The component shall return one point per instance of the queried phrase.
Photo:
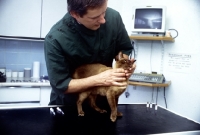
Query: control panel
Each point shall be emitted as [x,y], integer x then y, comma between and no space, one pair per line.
[145,77]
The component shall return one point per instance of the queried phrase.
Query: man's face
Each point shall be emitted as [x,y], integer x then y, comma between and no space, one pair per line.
[94,17]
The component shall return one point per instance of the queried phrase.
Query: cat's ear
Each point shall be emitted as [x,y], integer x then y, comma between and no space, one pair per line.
[119,56]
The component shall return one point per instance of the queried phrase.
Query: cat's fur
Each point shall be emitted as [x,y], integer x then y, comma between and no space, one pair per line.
[111,92]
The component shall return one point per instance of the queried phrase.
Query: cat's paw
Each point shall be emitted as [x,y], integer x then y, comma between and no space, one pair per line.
[119,114]
[103,111]
[113,118]
[81,113]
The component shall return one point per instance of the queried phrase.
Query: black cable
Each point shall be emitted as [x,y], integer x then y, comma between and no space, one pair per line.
[133,50]
[152,95]
[176,33]
[165,98]
[151,55]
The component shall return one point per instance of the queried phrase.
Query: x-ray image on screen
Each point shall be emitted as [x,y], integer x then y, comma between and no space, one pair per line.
[148,19]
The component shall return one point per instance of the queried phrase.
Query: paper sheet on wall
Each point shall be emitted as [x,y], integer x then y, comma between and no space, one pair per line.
[180,62]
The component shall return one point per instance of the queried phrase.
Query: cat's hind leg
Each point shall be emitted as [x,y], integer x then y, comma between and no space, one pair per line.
[81,98]
[92,99]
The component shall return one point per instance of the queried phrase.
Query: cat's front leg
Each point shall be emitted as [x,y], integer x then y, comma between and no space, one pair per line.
[112,103]
[118,113]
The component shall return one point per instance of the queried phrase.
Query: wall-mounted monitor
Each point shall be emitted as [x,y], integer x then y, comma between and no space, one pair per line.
[148,19]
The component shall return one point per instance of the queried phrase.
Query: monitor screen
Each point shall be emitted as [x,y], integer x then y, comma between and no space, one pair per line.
[149,19]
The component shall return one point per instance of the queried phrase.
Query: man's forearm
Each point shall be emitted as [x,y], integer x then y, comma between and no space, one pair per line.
[79,85]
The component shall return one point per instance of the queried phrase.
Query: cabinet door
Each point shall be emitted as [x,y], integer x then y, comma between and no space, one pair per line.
[21,18]
[19,94]
[45,95]
[52,12]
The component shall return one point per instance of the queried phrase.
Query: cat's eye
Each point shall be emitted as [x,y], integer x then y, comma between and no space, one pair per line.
[124,61]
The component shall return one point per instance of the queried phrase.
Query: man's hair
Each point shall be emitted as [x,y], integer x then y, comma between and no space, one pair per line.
[81,6]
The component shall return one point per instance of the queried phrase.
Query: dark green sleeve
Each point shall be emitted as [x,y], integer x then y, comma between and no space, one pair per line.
[57,66]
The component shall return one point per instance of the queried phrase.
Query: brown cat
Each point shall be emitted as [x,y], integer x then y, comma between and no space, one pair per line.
[111,92]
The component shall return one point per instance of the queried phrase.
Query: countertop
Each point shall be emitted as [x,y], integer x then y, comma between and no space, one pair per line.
[136,120]
[23,84]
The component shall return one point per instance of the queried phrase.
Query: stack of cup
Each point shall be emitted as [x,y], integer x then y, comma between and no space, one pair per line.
[27,72]
[20,74]
[8,73]
[14,74]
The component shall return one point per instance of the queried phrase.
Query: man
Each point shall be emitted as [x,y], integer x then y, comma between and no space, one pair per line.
[89,33]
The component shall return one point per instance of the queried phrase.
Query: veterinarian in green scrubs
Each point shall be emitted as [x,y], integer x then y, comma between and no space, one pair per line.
[89,33]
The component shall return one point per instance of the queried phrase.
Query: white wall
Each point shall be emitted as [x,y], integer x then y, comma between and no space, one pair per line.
[183,95]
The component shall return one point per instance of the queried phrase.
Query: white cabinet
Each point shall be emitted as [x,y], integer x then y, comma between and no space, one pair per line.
[45,95]
[21,18]
[10,96]
[52,12]
[24,96]
[24,18]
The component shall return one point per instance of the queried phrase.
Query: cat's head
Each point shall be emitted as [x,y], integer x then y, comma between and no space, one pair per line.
[122,62]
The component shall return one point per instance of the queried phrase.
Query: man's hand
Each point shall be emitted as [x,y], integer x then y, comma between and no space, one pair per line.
[117,76]
[111,77]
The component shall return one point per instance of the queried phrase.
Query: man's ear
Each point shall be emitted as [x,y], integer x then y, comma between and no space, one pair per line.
[74,14]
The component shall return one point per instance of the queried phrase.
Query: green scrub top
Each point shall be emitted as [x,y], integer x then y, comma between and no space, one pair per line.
[69,45]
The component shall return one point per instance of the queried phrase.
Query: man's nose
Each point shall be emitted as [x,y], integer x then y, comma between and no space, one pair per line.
[102,19]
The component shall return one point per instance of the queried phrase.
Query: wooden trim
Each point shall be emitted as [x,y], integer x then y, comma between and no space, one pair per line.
[165,84]
[152,38]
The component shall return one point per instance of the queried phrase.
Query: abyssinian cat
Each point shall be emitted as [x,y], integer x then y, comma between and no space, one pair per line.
[111,92]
